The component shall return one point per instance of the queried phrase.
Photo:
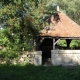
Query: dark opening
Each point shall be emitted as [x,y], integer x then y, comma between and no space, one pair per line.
[46,47]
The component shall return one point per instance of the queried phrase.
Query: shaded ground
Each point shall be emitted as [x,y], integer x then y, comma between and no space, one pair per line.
[31,72]
[46,61]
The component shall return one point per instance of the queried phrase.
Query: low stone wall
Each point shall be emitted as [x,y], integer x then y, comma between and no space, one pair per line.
[34,57]
[65,57]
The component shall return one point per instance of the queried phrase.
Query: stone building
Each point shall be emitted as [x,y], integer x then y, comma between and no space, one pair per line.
[61,27]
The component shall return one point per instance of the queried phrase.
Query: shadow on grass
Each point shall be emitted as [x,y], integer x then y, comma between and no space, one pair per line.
[31,72]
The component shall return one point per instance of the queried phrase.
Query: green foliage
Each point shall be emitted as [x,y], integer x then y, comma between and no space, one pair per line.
[71,8]
[62,43]
[18,23]
[18,27]
[75,44]
[9,54]
[3,39]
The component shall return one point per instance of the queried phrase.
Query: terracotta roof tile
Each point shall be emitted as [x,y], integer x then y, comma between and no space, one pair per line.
[64,28]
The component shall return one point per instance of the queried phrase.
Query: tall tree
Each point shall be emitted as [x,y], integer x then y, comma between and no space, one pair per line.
[17,20]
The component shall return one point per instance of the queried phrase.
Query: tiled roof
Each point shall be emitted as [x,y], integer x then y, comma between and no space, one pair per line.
[64,28]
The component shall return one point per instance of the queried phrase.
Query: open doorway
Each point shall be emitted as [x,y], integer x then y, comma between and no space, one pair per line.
[46,46]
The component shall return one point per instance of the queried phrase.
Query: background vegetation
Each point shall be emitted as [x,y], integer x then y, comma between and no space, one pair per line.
[21,21]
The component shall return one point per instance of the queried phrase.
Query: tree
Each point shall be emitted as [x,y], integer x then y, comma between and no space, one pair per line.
[71,8]
[22,19]
[19,25]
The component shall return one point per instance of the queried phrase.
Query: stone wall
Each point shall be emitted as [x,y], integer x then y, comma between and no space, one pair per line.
[65,57]
[34,57]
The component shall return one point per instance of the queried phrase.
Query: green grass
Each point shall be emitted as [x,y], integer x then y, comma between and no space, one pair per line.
[31,72]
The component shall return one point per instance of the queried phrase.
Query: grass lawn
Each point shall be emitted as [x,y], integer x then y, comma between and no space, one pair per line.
[31,72]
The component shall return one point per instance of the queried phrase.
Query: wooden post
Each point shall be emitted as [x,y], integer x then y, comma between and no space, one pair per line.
[53,44]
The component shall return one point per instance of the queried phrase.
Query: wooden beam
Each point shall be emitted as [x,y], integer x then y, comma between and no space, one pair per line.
[60,37]
[56,42]
[53,44]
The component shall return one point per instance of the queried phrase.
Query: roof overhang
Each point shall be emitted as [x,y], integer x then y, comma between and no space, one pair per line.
[59,37]
[65,28]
